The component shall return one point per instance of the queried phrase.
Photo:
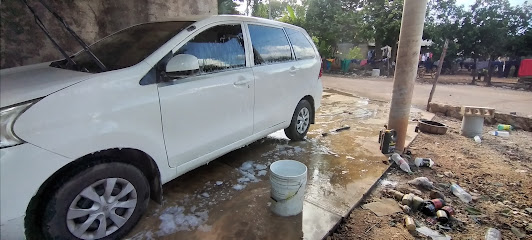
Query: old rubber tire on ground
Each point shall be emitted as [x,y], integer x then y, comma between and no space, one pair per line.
[300,121]
[104,201]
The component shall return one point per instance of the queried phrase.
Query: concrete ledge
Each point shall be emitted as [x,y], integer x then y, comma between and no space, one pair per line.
[519,122]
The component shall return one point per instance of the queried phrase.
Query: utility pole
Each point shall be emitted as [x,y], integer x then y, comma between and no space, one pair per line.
[269,10]
[410,38]
[440,65]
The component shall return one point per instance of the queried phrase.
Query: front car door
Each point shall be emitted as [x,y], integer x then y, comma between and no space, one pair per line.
[209,110]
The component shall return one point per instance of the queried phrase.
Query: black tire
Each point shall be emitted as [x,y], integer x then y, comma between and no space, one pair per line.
[292,132]
[54,224]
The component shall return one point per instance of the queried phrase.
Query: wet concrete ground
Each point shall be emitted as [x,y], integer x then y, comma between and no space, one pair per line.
[230,197]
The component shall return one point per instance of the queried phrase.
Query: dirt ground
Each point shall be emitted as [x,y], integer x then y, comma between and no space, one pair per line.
[501,98]
[495,172]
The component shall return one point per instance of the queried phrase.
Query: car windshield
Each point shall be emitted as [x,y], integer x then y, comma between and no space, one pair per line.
[127,47]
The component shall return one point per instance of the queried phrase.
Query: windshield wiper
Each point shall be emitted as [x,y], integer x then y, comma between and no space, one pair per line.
[39,23]
[80,41]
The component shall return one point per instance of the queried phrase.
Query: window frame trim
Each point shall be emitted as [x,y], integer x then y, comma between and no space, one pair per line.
[252,54]
[208,26]
[312,45]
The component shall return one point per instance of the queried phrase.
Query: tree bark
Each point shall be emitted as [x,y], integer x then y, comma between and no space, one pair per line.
[474,71]
[487,79]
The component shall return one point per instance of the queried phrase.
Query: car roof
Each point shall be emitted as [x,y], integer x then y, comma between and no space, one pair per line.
[219,18]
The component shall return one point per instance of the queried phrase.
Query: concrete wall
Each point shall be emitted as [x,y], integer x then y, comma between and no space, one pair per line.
[23,43]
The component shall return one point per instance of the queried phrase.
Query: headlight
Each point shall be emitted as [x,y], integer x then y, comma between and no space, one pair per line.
[7,119]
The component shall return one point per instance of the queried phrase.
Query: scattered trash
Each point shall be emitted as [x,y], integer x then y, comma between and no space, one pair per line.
[345,127]
[383,207]
[477,139]
[504,127]
[387,139]
[473,211]
[410,224]
[430,207]
[407,199]
[431,220]
[395,194]
[406,208]
[521,171]
[442,216]
[387,183]
[416,202]
[401,162]
[441,227]
[460,193]
[422,182]
[493,234]
[205,195]
[500,133]
[432,234]
[239,187]
[218,183]
[424,162]
[324,134]
[435,194]
[517,232]
[449,210]
[415,191]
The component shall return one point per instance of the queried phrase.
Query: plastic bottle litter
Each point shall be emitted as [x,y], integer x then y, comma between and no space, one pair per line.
[407,199]
[410,224]
[395,194]
[505,127]
[500,133]
[461,193]
[422,182]
[416,202]
[477,139]
[401,162]
[424,162]
[406,209]
[493,234]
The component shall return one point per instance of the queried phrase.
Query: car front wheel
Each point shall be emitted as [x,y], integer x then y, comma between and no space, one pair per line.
[104,201]
[300,122]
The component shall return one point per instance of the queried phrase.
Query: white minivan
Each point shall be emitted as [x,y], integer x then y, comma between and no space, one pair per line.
[84,148]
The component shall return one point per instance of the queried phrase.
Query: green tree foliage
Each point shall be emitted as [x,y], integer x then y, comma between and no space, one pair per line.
[354,53]
[227,7]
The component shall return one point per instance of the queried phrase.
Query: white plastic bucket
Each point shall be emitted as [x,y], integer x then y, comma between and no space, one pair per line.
[375,72]
[288,179]
[472,125]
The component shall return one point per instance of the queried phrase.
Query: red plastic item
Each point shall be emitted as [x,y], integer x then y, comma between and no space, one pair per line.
[525,69]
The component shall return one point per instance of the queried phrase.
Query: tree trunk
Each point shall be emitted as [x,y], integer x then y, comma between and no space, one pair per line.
[487,79]
[474,71]
[440,65]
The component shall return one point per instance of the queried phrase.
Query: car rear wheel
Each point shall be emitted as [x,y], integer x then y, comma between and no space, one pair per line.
[102,202]
[300,121]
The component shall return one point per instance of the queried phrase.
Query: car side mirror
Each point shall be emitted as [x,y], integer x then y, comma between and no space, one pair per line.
[182,65]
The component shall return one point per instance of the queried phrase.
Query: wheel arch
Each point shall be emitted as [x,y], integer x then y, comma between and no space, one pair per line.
[310,99]
[135,157]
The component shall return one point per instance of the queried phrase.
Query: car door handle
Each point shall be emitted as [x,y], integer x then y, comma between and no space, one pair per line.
[241,82]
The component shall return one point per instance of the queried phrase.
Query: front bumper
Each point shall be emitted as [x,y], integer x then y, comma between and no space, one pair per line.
[23,169]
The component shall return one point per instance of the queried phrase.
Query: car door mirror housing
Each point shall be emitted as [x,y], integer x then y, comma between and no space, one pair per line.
[182,65]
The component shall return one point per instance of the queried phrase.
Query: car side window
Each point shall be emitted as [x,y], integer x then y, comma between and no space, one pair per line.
[218,48]
[270,44]
[302,47]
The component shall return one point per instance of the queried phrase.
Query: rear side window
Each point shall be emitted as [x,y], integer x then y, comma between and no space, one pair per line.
[302,47]
[269,45]
[217,48]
